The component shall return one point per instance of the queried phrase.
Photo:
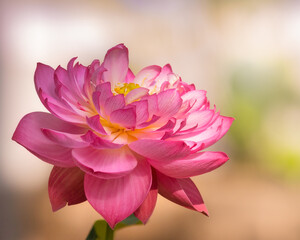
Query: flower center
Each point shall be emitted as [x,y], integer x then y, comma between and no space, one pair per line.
[126,88]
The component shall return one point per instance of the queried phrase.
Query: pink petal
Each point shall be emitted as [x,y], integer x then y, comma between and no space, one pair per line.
[193,165]
[95,74]
[44,79]
[143,134]
[145,211]
[160,149]
[102,93]
[226,123]
[152,104]
[116,63]
[62,76]
[149,122]
[105,163]
[96,100]
[181,191]
[136,94]
[68,98]
[65,94]
[94,123]
[146,76]
[73,79]
[169,103]
[70,85]
[46,87]
[93,78]
[80,74]
[198,119]
[114,103]
[196,98]
[65,187]
[30,135]
[141,110]
[121,137]
[116,199]
[168,126]
[124,117]
[98,142]
[179,124]
[215,132]
[163,76]
[129,77]
[64,114]
[65,139]
[209,136]
[75,85]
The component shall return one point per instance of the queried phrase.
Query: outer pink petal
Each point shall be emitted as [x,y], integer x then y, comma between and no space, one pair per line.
[145,211]
[209,136]
[198,119]
[70,84]
[66,94]
[181,191]
[61,75]
[195,98]
[193,165]
[30,135]
[73,79]
[64,114]
[226,123]
[73,83]
[80,74]
[105,163]
[65,139]
[124,117]
[215,132]
[49,92]
[160,149]
[168,126]
[116,63]
[116,199]
[44,79]
[65,187]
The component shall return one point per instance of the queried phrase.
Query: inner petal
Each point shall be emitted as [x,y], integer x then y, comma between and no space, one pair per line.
[125,88]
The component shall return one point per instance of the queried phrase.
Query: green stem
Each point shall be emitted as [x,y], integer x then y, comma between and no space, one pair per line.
[101,231]
[109,233]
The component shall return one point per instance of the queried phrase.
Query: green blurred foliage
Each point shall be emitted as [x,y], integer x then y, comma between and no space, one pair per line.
[256,93]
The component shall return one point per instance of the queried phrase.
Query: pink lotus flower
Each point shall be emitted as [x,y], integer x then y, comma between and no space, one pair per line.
[117,140]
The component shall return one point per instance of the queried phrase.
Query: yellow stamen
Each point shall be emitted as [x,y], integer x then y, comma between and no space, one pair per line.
[126,88]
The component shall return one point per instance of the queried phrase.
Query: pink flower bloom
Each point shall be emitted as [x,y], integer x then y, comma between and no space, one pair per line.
[117,140]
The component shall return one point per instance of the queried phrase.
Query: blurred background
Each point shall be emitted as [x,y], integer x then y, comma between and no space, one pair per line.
[246,54]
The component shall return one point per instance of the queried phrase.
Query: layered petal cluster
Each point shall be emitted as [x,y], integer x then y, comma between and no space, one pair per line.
[117,139]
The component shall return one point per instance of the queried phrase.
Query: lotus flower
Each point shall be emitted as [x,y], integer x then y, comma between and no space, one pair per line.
[117,139]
